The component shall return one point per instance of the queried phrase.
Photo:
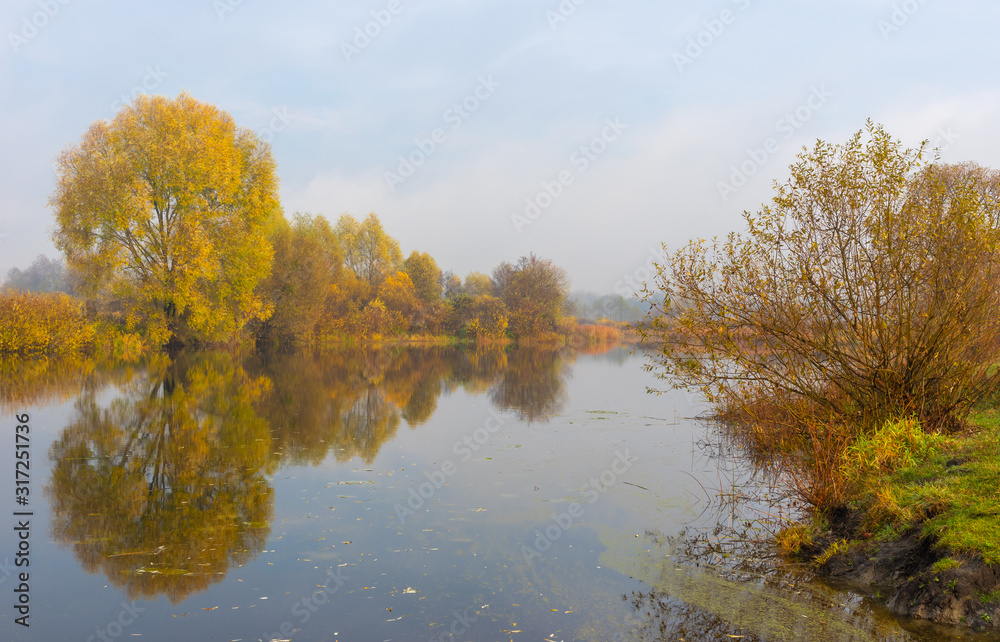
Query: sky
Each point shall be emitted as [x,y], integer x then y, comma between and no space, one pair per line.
[586,131]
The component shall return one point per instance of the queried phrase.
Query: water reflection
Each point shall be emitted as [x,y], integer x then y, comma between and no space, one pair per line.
[26,383]
[165,487]
[533,384]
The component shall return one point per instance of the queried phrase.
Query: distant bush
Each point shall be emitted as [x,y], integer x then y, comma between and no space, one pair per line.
[42,324]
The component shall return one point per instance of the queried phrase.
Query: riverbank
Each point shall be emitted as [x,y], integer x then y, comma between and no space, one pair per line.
[56,324]
[923,538]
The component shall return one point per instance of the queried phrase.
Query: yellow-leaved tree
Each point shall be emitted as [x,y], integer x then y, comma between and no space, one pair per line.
[163,213]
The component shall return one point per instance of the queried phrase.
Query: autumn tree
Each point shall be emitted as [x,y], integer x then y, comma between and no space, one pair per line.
[369,252]
[477,284]
[488,319]
[164,209]
[307,265]
[400,296]
[534,291]
[866,289]
[425,274]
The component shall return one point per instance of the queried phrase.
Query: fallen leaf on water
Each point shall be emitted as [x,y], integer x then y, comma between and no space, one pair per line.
[409,590]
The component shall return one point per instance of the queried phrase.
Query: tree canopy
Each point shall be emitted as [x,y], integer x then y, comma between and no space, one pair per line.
[534,291]
[369,251]
[866,289]
[165,210]
[425,274]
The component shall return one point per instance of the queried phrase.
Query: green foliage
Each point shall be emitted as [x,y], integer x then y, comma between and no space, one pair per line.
[944,564]
[946,485]
[899,443]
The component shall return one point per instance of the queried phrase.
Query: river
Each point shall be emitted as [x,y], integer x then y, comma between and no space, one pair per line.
[392,494]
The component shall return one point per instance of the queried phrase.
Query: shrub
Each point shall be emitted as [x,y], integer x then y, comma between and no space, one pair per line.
[865,290]
[53,323]
[899,443]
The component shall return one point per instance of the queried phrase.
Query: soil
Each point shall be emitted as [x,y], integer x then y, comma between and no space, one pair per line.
[901,572]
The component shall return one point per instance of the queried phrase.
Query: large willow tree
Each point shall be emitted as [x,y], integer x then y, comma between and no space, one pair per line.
[163,214]
[868,288]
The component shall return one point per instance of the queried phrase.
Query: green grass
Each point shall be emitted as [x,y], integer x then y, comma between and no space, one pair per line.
[972,521]
[958,503]
[944,564]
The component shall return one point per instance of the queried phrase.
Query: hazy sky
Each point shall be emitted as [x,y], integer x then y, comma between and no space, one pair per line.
[624,123]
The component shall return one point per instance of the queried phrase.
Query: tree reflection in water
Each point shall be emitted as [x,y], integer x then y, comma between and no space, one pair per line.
[533,384]
[165,487]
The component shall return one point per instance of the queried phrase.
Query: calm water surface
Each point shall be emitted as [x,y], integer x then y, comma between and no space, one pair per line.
[398,494]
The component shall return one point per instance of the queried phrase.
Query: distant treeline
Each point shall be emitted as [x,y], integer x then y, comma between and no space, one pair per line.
[169,221]
[328,284]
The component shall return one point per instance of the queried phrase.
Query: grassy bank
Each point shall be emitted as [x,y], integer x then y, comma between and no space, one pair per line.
[921,527]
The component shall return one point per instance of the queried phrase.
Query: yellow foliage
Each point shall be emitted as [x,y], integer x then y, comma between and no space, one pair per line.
[53,323]
[489,321]
[163,211]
